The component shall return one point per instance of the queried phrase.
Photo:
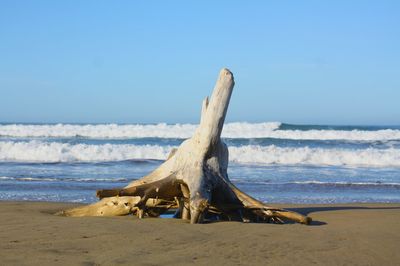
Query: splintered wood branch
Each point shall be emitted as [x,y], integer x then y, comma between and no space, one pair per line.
[193,179]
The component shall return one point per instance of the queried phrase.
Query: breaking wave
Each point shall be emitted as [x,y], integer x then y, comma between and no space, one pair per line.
[38,151]
[162,130]
[114,131]
[272,154]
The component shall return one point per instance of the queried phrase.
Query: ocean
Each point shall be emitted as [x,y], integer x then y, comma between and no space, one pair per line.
[274,162]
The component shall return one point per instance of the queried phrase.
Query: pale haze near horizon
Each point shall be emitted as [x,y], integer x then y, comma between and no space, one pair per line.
[308,62]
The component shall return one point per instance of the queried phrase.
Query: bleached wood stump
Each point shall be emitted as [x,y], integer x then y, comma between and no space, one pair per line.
[193,179]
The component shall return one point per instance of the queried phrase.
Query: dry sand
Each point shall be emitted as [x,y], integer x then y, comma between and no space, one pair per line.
[356,234]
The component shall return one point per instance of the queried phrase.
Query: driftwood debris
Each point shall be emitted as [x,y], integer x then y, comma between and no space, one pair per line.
[193,180]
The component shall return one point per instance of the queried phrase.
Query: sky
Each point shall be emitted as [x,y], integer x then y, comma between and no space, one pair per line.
[301,62]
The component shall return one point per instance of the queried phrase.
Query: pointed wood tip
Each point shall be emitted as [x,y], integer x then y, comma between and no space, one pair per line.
[225,75]
[225,71]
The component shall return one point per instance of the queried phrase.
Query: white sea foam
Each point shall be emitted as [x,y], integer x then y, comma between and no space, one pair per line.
[361,184]
[114,131]
[315,182]
[8,178]
[49,179]
[237,180]
[315,156]
[361,135]
[162,130]
[38,151]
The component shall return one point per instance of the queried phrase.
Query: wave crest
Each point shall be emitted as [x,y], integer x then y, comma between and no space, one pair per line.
[114,131]
[181,131]
[37,151]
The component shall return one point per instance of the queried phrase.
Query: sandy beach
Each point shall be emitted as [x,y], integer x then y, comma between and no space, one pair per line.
[343,234]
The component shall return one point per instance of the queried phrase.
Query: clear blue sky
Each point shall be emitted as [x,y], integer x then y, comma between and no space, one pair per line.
[305,62]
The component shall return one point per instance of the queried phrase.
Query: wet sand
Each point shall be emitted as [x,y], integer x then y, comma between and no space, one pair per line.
[351,234]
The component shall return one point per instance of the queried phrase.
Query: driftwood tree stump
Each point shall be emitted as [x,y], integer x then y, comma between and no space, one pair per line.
[193,180]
